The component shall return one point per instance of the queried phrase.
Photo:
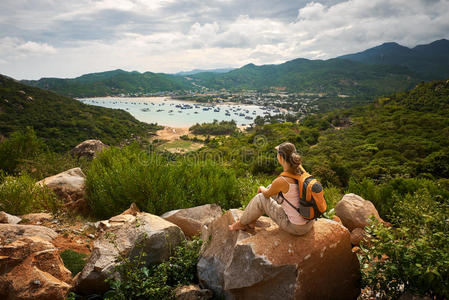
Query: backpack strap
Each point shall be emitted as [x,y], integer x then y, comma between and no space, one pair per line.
[309,190]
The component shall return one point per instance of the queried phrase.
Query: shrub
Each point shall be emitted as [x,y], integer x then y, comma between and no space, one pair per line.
[21,195]
[118,177]
[138,281]
[414,256]
[382,195]
[74,261]
[215,128]
[21,145]
[50,163]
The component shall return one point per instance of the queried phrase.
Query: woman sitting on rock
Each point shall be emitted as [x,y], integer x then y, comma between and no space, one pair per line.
[264,202]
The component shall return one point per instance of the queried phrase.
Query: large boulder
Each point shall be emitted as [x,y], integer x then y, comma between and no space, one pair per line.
[6,218]
[89,149]
[355,212]
[12,232]
[70,186]
[31,268]
[270,263]
[192,219]
[127,235]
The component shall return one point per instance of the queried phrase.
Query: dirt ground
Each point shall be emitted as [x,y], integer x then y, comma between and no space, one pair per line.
[171,133]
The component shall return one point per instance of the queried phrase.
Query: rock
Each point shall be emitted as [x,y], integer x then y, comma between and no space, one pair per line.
[132,210]
[273,264]
[337,219]
[6,218]
[12,232]
[31,268]
[37,217]
[354,211]
[192,292]
[192,219]
[127,232]
[89,149]
[357,235]
[70,186]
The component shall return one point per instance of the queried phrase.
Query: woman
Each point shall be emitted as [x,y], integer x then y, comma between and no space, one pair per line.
[283,214]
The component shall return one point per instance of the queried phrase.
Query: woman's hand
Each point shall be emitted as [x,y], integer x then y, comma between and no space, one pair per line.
[261,189]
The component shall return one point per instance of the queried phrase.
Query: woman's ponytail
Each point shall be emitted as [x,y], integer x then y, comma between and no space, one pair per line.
[288,152]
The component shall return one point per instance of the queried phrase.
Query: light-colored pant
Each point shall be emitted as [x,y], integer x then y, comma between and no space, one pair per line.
[260,205]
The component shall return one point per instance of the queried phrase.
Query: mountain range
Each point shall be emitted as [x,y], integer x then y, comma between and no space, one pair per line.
[384,69]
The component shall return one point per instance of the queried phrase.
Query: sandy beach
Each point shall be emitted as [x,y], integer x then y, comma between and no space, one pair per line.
[171,133]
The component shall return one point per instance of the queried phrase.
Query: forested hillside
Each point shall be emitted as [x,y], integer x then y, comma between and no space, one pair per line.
[381,70]
[112,83]
[403,135]
[430,60]
[60,121]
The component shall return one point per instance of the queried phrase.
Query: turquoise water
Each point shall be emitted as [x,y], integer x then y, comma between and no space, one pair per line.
[163,110]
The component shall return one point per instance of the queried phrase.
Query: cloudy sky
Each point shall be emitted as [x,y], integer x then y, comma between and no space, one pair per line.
[54,38]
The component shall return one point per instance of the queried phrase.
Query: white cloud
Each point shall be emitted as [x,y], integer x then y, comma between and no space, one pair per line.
[36,48]
[168,36]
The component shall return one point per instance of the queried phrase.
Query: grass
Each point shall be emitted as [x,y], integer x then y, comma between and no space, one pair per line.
[180,146]
[74,261]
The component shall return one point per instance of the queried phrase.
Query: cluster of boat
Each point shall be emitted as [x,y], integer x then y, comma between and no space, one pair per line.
[172,107]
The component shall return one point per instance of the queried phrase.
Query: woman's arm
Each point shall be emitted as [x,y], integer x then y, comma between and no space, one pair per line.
[278,185]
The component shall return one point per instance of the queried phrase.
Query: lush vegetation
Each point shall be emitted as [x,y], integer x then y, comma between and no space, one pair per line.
[214,128]
[397,136]
[138,281]
[20,195]
[22,145]
[112,83]
[62,122]
[118,177]
[334,76]
[413,255]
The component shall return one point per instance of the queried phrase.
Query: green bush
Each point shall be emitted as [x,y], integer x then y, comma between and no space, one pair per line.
[74,261]
[50,163]
[382,195]
[215,128]
[21,195]
[138,281]
[118,177]
[414,255]
[21,145]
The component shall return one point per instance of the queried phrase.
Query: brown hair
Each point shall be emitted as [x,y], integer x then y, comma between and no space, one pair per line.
[288,152]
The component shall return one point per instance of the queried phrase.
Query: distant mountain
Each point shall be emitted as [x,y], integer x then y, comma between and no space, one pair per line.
[431,60]
[333,76]
[112,83]
[62,122]
[384,69]
[196,71]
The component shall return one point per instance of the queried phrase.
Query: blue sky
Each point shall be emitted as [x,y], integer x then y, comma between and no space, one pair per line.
[49,38]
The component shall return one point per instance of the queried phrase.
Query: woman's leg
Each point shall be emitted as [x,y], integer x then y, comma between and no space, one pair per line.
[260,205]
